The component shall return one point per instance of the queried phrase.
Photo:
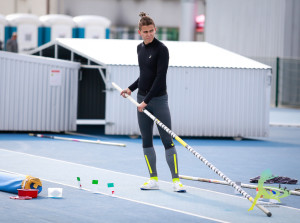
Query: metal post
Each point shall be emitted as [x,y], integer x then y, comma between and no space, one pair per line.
[187,26]
[48,7]
[277,82]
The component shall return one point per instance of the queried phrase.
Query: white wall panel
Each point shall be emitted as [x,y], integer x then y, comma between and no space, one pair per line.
[219,102]
[120,112]
[292,29]
[27,100]
[203,102]
[252,28]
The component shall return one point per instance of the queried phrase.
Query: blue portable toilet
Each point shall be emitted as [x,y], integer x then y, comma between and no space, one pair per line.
[55,26]
[3,24]
[26,26]
[91,26]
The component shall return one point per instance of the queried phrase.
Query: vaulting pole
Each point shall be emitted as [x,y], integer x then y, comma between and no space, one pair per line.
[199,156]
[78,140]
[250,186]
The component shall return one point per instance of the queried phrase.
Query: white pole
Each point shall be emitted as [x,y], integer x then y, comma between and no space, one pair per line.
[78,140]
[250,186]
[198,155]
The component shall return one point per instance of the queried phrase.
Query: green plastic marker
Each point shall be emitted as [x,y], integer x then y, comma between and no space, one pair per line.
[95,184]
[79,183]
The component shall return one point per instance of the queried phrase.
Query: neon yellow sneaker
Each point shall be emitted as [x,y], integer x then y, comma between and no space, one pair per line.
[151,184]
[177,186]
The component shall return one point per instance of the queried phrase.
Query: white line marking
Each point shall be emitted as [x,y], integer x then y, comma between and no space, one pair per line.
[128,199]
[62,161]
[238,197]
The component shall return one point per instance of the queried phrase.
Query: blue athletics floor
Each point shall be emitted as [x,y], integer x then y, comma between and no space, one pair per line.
[58,163]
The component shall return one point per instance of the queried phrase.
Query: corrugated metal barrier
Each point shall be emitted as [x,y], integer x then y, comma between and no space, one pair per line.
[37,94]
[203,102]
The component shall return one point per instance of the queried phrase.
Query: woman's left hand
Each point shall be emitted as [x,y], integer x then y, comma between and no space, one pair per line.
[142,106]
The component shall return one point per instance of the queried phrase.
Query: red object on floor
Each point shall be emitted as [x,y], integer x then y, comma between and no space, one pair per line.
[28,192]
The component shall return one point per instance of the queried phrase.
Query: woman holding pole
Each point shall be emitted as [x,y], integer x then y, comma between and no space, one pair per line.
[153,58]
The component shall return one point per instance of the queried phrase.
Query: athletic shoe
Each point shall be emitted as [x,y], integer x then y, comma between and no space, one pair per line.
[178,187]
[151,184]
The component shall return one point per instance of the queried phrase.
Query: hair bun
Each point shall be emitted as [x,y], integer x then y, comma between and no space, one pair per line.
[142,14]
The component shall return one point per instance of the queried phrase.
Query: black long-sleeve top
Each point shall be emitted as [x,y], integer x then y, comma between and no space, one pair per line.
[153,61]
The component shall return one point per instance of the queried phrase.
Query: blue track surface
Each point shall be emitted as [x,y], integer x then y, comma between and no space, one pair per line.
[59,162]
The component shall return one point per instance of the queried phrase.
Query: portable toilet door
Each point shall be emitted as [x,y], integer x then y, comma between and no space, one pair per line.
[26,26]
[3,23]
[55,26]
[96,27]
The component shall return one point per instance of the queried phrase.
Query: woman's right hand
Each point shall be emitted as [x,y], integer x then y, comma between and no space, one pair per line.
[125,91]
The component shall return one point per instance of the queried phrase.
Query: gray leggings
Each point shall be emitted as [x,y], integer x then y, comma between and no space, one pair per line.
[158,106]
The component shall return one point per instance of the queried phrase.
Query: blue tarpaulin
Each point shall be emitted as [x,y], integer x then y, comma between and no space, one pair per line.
[12,182]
